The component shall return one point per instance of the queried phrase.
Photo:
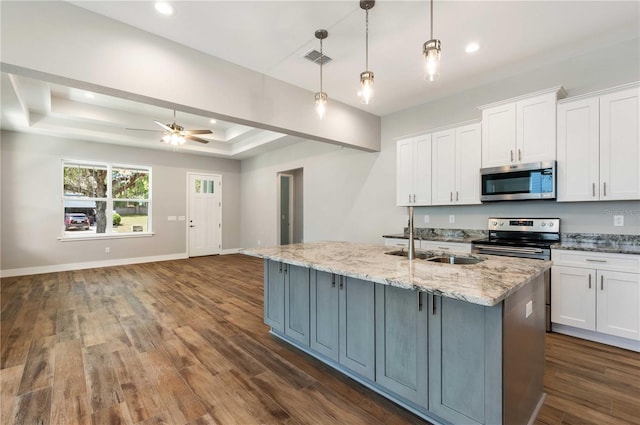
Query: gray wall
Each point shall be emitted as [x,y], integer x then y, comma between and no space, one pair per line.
[31,210]
[350,195]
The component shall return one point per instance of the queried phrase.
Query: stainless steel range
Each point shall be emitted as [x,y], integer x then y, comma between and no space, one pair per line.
[523,238]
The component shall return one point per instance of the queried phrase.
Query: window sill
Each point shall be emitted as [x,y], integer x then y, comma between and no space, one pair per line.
[105,236]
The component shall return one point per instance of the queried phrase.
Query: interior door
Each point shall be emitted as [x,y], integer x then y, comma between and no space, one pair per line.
[205,214]
[286,209]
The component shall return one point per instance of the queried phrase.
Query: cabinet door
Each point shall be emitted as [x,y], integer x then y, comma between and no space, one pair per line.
[536,129]
[401,342]
[578,150]
[274,294]
[618,306]
[324,314]
[296,318]
[468,151]
[404,172]
[465,362]
[620,145]
[498,135]
[573,297]
[356,318]
[443,147]
[422,170]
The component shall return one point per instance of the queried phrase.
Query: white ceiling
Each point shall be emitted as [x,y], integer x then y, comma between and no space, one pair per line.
[272,37]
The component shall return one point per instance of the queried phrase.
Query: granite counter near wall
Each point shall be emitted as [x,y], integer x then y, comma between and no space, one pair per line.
[600,242]
[442,235]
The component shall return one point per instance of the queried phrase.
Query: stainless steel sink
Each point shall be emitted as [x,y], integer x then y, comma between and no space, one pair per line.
[431,256]
[452,259]
[404,253]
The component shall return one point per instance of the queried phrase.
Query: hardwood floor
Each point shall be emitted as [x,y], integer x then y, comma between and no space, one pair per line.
[183,342]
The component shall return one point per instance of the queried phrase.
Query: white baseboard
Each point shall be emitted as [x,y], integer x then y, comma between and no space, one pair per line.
[230,251]
[616,341]
[90,265]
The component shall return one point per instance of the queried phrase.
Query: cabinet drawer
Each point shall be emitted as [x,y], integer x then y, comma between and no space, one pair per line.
[446,246]
[396,242]
[597,260]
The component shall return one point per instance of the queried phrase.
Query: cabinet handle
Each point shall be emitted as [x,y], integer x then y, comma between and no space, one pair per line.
[419,301]
[456,196]
[444,248]
[593,189]
[280,271]
[341,283]
[333,280]
[519,155]
[450,196]
[604,189]
[285,269]
[409,198]
[596,261]
[589,281]
[602,282]
[414,198]
[511,151]
[433,304]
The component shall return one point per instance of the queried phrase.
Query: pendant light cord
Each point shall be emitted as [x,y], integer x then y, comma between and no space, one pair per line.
[367,40]
[321,62]
[431,16]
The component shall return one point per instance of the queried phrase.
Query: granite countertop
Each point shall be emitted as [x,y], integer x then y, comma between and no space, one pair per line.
[442,235]
[486,283]
[599,242]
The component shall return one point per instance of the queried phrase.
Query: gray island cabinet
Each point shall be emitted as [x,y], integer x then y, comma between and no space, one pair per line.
[428,348]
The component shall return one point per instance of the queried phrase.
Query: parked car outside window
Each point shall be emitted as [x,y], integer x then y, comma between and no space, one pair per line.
[76,221]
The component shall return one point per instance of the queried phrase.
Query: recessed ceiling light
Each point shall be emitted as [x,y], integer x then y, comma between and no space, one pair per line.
[472,47]
[164,8]
[212,121]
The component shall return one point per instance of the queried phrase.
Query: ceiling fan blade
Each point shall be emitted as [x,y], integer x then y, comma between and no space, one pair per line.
[199,131]
[166,127]
[195,139]
[143,129]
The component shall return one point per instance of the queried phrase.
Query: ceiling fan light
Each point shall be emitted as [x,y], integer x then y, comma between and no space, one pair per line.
[321,104]
[166,138]
[431,53]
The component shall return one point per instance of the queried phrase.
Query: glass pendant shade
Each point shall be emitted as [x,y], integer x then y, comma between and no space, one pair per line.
[431,54]
[366,87]
[321,104]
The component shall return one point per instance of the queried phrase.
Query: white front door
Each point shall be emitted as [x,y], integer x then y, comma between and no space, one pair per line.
[205,214]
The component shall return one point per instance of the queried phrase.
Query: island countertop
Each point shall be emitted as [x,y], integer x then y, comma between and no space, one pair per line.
[486,283]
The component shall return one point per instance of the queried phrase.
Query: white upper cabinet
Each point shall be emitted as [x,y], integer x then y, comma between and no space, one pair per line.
[413,171]
[599,147]
[456,166]
[520,130]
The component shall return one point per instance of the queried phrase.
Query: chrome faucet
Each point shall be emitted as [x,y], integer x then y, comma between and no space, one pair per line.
[412,250]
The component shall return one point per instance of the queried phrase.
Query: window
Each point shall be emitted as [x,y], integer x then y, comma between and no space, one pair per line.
[107,199]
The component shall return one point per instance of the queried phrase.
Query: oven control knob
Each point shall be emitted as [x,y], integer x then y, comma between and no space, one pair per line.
[494,223]
[543,224]
[502,223]
[551,224]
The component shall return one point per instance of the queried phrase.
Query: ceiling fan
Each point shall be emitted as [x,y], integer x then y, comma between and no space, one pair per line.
[175,134]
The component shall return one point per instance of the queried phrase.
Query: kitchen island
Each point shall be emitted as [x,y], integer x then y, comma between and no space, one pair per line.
[453,343]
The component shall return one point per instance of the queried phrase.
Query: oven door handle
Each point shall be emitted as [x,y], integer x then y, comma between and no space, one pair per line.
[510,249]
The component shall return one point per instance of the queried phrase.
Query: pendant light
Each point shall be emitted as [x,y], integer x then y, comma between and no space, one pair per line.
[321,97]
[431,54]
[366,77]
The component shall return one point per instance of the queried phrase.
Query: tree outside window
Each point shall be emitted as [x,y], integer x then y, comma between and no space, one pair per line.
[114,198]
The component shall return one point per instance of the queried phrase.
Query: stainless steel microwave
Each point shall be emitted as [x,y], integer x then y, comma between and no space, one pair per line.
[536,180]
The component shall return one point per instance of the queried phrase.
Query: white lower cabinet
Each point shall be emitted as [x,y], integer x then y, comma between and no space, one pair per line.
[429,245]
[596,292]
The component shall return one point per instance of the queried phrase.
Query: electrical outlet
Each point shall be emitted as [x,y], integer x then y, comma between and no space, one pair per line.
[107,249]
[426,218]
[452,219]
[528,309]
[258,242]
[618,220]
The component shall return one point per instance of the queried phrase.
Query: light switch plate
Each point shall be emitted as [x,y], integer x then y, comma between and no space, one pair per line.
[181,218]
[171,218]
[528,309]
[426,218]
[452,219]
[618,220]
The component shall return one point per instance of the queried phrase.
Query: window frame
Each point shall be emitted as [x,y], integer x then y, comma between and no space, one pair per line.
[109,199]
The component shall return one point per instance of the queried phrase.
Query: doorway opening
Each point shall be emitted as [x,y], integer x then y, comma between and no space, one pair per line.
[290,206]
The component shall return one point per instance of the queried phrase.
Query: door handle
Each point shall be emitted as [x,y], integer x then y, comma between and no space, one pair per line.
[519,155]
[419,301]
[450,196]
[602,282]
[333,280]
[341,283]
[433,304]
[593,189]
[511,151]
[604,189]
[589,281]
